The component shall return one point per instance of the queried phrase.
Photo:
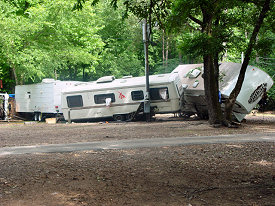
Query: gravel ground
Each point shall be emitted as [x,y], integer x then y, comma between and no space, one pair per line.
[214,174]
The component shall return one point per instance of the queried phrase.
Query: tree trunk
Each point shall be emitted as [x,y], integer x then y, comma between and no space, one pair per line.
[75,73]
[235,92]
[211,75]
[70,72]
[55,74]
[15,75]
[167,53]
[211,90]
[180,57]
[83,73]
[163,47]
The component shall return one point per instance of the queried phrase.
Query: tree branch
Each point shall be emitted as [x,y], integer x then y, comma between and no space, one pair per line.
[191,27]
[195,20]
[235,92]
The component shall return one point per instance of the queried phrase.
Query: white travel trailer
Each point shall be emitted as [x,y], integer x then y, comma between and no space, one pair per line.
[121,98]
[42,99]
[256,82]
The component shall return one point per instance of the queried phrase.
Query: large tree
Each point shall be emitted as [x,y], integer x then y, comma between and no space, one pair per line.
[217,21]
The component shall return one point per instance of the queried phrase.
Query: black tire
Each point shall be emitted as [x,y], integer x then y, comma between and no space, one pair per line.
[203,116]
[37,116]
[119,117]
[130,117]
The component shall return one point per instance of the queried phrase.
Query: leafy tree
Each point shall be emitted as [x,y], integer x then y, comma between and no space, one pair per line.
[48,39]
[122,38]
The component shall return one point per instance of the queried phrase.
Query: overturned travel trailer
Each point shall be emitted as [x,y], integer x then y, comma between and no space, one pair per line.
[256,82]
[122,99]
[37,101]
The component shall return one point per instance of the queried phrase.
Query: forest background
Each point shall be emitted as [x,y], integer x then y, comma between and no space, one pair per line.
[48,39]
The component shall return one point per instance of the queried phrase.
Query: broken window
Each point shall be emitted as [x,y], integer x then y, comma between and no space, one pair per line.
[159,93]
[108,102]
[101,98]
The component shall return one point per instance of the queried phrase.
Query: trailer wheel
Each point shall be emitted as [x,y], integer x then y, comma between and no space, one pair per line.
[130,117]
[203,116]
[119,117]
[37,116]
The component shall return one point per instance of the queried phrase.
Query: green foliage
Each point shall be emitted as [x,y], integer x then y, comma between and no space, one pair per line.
[48,40]
[122,38]
[42,39]
[171,65]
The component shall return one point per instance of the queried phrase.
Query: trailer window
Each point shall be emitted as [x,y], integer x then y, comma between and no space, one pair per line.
[137,95]
[159,93]
[101,98]
[74,101]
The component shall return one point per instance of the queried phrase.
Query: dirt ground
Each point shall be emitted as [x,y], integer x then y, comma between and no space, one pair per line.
[211,174]
[31,133]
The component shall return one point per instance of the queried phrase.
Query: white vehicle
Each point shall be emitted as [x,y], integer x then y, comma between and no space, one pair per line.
[256,82]
[41,100]
[122,98]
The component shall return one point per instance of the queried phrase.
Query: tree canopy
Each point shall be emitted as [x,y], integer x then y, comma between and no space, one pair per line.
[47,38]
[68,40]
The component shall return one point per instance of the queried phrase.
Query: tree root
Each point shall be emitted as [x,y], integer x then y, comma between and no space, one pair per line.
[226,123]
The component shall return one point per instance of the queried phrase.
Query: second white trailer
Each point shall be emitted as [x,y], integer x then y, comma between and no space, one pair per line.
[42,99]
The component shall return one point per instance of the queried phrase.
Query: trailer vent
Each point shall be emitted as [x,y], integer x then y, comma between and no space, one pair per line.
[196,83]
[127,77]
[184,86]
[48,80]
[105,79]
[194,74]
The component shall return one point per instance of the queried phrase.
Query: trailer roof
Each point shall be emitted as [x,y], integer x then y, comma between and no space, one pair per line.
[124,83]
[54,82]
[184,69]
